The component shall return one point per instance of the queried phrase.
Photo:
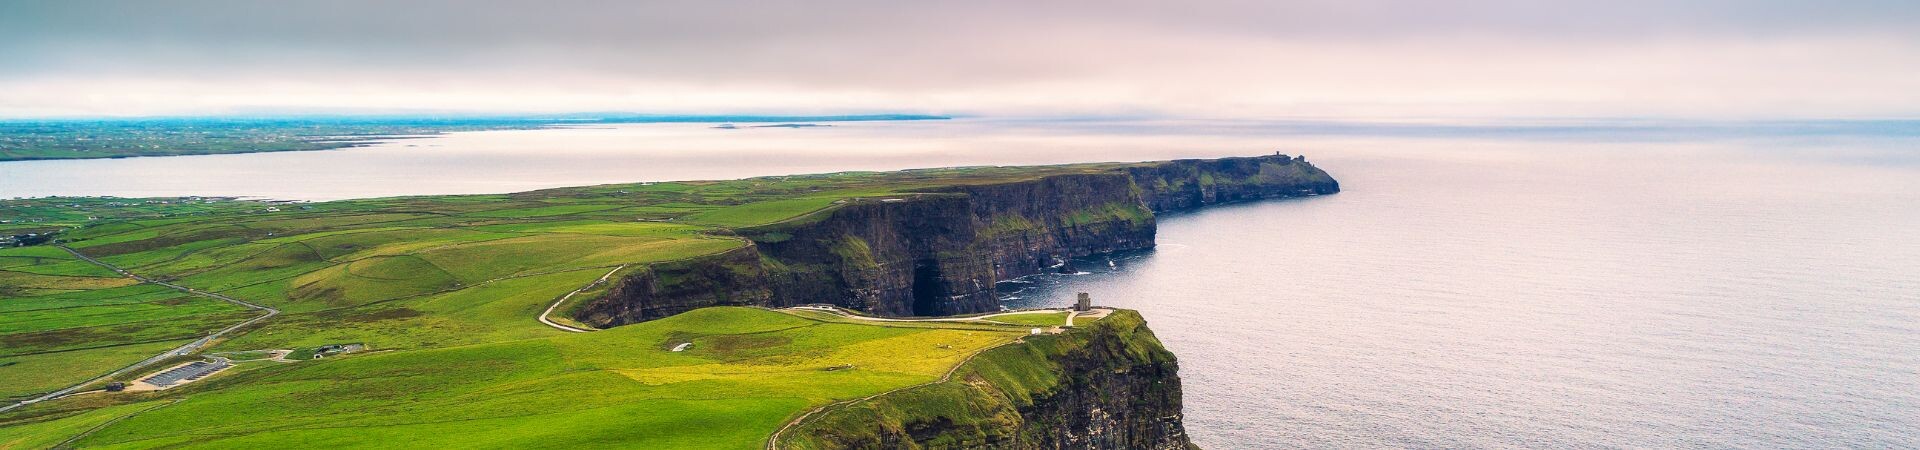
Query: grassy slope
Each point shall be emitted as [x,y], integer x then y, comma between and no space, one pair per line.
[1038,319]
[62,322]
[407,274]
[747,372]
[981,403]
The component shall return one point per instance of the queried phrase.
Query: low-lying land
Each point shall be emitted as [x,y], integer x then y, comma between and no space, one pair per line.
[124,138]
[747,372]
[443,296]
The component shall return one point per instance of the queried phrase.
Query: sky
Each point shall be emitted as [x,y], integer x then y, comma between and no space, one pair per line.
[1718,59]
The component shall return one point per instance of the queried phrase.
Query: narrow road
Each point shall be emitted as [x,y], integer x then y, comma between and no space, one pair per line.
[563,299]
[183,350]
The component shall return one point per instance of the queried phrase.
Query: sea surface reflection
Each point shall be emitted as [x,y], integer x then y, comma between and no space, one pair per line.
[1623,284]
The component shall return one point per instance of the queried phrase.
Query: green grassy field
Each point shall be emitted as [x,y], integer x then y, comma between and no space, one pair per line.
[747,372]
[63,320]
[444,291]
[1038,319]
[984,394]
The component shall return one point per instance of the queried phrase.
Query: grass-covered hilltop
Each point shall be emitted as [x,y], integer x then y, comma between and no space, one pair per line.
[710,314]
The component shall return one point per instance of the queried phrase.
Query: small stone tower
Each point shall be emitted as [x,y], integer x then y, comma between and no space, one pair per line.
[1084,304]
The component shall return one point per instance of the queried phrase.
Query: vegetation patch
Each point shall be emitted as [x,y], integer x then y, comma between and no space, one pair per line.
[574,389]
[980,406]
[761,213]
[448,289]
[1038,319]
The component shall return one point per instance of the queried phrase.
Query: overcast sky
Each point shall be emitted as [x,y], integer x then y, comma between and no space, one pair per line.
[1335,58]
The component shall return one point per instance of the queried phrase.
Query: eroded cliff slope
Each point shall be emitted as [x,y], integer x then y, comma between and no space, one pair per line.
[939,250]
[1109,385]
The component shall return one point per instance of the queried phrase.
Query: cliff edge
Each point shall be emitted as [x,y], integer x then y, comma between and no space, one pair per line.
[939,249]
[1107,385]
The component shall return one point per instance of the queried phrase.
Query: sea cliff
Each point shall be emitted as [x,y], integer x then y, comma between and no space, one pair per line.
[939,250]
[1108,385]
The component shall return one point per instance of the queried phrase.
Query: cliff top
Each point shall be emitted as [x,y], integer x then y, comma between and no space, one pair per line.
[722,377]
[458,280]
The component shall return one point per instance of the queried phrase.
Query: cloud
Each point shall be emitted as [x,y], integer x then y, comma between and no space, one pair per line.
[1367,57]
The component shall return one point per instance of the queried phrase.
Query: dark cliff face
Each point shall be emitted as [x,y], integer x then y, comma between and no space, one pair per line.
[940,251]
[1031,227]
[1106,386]
[908,255]
[1192,183]
[734,278]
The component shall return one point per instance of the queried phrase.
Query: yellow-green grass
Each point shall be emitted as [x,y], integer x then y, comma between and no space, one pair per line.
[349,269]
[761,213]
[48,261]
[492,259]
[489,312]
[88,325]
[543,211]
[37,320]
[33,252]
[406,275]
[396,242]
[82,338]
[52,433]
[67,298]
[28,375]
[954,323]
[564,312]
[1038,319]
[600,227]
[37,281]
[368,280]
[986,394]
[293,223]
[747,372]
[379,285]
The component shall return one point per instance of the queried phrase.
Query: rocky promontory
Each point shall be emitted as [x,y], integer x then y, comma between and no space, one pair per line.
[939,250]
[1108,385]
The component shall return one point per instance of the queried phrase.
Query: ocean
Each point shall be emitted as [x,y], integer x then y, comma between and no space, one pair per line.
[1507,284]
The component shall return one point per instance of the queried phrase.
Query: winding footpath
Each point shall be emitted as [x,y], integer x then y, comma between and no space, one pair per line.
[563,299]
[773,441]
[182,350]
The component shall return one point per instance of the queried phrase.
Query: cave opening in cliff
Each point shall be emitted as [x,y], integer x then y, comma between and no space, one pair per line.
[928,291]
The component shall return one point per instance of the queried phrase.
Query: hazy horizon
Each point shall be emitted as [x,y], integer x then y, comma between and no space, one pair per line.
[1383,59]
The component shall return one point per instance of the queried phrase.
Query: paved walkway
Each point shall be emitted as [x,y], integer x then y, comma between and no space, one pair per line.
[563,299]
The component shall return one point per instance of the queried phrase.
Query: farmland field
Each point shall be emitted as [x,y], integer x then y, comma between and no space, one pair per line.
[443,293]
[63,320]
[746,372]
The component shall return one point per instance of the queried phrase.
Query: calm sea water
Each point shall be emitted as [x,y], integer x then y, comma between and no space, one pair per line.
[1621,284]
[1549,298]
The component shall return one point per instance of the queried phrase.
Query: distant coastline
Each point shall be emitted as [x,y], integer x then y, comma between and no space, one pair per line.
[51,139]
